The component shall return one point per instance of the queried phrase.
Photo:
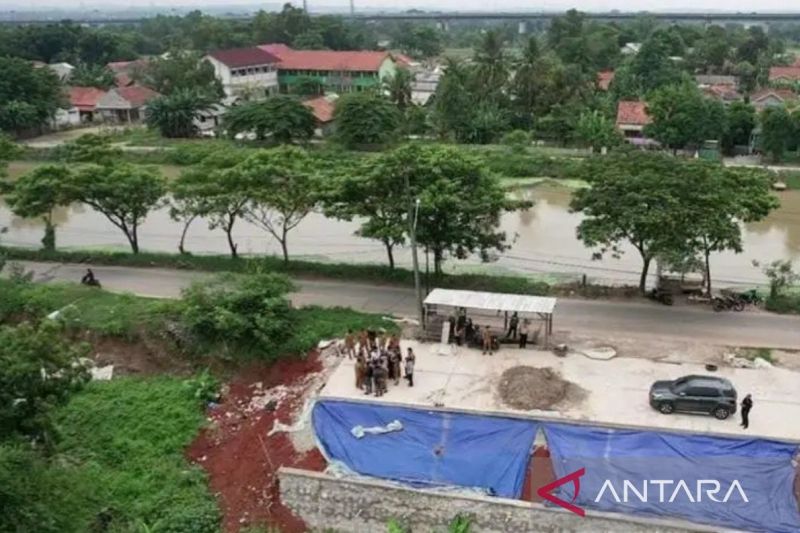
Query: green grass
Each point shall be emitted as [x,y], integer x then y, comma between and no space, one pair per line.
[757,353]
[83,308]
[791,178]
[123,443]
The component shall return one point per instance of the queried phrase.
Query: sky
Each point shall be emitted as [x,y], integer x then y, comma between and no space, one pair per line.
[482,5]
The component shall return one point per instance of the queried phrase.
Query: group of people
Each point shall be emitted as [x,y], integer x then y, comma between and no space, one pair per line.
[379,360]
[465,332]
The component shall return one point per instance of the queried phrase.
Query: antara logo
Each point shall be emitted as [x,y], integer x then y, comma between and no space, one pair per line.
[648,490]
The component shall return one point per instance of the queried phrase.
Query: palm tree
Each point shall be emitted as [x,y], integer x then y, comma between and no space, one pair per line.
[174,115]
[398,88]
[491,72]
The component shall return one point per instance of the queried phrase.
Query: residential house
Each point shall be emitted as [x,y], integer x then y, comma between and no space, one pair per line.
[336,71]
[708,80]
[209,120]
[322,107]
[632,117]
[631,49]
[789,74]
[125,104]
[424,85]
[124,71]
[724,93]
[604,79]
[247,72]
[769,97]
[80,108]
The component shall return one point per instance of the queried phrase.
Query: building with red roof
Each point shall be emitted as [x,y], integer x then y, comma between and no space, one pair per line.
[123,71]
[336,70]
[250,71]
[770,97]
[322,107]
[125,104]
[789,74]
[632,118]
[80,108]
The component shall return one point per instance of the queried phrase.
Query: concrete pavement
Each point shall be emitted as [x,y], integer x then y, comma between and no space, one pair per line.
[633,319]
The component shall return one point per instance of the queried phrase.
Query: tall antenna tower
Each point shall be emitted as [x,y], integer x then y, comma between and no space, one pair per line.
[352,8]
[305,6]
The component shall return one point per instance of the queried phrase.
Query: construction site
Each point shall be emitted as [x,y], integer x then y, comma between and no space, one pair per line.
[550,437]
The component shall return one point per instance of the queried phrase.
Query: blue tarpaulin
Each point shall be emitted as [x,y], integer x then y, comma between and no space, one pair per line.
[434,448]
[762,468]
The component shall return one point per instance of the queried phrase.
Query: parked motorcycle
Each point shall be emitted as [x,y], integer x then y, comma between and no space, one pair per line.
[90,280]
[726,303]
[661,295]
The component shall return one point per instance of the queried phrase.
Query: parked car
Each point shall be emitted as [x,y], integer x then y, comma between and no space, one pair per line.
[695,394]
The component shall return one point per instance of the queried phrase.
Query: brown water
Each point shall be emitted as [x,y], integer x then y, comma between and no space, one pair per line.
[543,240]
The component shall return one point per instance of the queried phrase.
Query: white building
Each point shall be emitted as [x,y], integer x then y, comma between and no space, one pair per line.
[62,70]
[246,72]
[424,85]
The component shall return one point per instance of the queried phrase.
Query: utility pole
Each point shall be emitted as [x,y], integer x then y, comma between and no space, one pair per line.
[413,215]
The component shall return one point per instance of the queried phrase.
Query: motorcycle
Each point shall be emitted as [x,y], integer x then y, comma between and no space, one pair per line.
[725,303]
[661,295]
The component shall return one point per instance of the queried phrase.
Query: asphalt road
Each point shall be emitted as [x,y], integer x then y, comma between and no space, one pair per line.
[635,319]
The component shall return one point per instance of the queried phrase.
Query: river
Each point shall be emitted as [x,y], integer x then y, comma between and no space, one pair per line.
[542,237]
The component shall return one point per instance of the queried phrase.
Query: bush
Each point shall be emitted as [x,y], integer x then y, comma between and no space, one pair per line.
[783,303]
[517,140]
[249,314]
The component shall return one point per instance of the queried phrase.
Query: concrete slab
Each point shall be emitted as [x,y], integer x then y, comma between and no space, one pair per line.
[616,390]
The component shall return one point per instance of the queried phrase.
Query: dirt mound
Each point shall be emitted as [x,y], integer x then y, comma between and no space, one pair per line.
[526,387]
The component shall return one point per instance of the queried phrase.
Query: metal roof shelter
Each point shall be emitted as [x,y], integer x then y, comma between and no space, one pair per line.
[522,304]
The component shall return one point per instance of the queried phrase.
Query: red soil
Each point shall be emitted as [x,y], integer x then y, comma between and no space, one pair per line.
[540,472]
[242,461]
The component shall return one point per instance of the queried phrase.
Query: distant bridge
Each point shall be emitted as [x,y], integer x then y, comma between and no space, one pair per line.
[447,16]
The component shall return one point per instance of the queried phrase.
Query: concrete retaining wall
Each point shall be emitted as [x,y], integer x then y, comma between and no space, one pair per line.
[325,502]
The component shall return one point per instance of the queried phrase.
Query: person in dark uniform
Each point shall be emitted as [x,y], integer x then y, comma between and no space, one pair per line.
[512,327]
[747,404]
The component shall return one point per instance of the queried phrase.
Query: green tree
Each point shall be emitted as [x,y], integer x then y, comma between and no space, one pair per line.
[597,131]
[243,313]
[460,204]
[88,75]
[309,40]
[175,116]
[39,370]
[37,194]
[123,193]
[212,190]
[777,131]
[634,198]
[682,117]
[453,102]
[307,86]
[398,88]
[417,40]
[282,117]
[781,275]
[739,125]
[29,96]
[180,71]
[491,67]
[283,189]
[366,119]
[721,199]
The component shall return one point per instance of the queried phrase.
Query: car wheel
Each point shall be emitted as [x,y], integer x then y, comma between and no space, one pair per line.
[721,413]
[666,408]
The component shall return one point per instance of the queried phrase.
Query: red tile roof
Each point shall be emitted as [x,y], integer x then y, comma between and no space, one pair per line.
[787,73]
[322,108]
[276,49]
[632,113]
[604,79]
[329,60]
[84,98]
[781,94]
[402,59]
[722,92]
[125,66]
[244,57]
[136,94]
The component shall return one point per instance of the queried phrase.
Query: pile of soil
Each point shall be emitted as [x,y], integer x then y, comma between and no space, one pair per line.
[241,459]
[526,387]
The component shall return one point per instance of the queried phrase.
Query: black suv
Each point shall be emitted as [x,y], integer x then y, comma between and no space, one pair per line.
[695,394]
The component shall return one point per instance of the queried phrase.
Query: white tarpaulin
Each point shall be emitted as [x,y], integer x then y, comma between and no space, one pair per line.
[492,301]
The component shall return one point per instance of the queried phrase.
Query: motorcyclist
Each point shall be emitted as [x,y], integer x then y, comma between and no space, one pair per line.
[88,278]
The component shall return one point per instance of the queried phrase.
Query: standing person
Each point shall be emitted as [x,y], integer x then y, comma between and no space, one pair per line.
[410,360]
[369,377]
[380,373]
[363,341]
[747,404]
[523,333]
[396,362]
[350,344]
[512,327]
[487,340]
[361,371]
